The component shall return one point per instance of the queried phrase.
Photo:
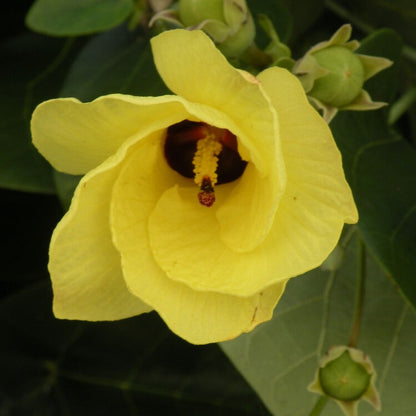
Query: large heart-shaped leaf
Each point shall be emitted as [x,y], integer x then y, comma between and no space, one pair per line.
[279,358]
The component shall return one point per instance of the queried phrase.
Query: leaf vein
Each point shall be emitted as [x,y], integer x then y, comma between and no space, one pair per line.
[393,346]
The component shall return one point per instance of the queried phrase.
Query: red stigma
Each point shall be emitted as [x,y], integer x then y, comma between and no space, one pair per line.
[207,195]
[206,198]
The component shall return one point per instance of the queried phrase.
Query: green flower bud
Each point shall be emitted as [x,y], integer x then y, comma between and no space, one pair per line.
[346,375]
[333,74]
[228,22]
[193,12]
[345,77]
[344,379]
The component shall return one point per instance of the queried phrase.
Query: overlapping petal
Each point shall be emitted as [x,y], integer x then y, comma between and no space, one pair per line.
[76,137]
[199,317]
[199,258]
[85,267]
[313,161]
[186,245]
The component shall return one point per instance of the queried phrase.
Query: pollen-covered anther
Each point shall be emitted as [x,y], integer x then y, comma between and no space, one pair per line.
[205,163]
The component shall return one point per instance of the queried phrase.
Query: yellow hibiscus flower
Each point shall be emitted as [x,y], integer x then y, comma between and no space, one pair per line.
[199,205]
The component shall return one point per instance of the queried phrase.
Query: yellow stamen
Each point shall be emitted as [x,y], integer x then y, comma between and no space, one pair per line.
[205,163]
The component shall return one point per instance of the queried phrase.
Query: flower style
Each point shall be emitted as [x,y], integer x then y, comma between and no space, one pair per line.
[199,205]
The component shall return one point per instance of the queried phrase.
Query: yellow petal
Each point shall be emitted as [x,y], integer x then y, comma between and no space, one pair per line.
[313,161]
[199,317]
[84,265]
[247,213]
[76,137]
[317,199]
[186,244]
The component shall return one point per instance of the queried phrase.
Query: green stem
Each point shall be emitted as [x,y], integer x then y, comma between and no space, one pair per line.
[319,406]
[359,300]
[256,57]
[398,108]
[350,231]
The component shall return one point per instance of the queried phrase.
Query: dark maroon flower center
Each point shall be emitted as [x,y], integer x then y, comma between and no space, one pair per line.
[181,146]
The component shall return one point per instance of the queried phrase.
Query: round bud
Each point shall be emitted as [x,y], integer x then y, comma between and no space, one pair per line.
[241,40]
[193,12]
[345,78]
[344,379]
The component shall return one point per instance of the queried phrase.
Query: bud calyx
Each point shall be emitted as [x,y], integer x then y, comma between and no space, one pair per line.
[333,74]
[347,376]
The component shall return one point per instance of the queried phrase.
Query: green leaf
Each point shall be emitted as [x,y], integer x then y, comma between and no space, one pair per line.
[118,61]
[280,357]
[32,71]
[77,17]
[386,43]
[381,169]
[131,367]
[382,174]
[65,186]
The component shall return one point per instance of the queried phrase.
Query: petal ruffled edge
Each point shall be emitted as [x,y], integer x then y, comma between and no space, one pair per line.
[76,137]
[84,265]
[307,142]
[82,241]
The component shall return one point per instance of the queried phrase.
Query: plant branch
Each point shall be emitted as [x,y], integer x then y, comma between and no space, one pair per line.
[398,108]
[319,406]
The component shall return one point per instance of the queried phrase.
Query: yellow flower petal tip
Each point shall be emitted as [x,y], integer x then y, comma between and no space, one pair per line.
[199,205]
